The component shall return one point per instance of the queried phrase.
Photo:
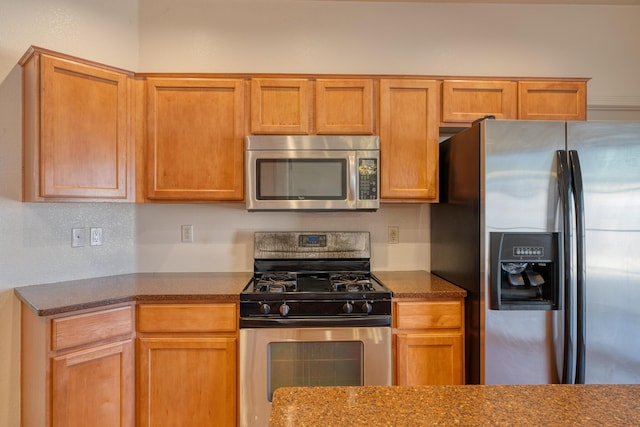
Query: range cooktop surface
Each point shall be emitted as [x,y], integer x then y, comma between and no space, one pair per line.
[299,274]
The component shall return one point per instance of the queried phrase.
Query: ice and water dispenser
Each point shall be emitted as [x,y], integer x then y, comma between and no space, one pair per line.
[525,271]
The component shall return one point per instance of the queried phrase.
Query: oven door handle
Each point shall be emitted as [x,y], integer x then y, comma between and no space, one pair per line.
[314,321]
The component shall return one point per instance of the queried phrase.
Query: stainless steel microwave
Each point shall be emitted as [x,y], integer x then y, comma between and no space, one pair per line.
[319,172]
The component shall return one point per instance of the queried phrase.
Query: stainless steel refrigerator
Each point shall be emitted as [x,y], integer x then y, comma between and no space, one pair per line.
[540,223]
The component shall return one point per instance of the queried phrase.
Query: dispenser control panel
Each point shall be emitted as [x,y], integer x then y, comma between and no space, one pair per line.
[528,251]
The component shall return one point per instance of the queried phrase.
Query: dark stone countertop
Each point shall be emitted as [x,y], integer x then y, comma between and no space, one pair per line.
[466,405]
[418,284]
[62,297]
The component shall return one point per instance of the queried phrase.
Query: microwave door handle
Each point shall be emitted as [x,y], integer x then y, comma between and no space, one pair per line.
[352,175]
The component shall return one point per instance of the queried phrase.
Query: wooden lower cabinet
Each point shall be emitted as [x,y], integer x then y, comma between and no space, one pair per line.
[187,365]
[428,342]
[94,386]
[78,369]
[187,381]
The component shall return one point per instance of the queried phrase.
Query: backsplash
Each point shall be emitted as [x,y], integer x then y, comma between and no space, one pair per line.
[223,235]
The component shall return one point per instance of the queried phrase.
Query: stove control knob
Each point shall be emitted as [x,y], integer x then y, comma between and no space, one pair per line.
[366,307]
[347,307]
[284,309]
[265,308]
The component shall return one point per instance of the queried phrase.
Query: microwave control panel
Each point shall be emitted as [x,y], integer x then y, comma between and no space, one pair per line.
[368,179]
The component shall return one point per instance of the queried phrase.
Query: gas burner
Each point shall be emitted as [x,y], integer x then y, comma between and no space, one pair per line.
[350,282]
[276,282]
[351,287]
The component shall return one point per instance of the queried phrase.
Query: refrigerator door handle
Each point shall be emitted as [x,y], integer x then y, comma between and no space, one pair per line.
[578,198]
[564,186]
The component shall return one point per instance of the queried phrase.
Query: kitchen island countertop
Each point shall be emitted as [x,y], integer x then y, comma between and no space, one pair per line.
[468,405]
[62,297]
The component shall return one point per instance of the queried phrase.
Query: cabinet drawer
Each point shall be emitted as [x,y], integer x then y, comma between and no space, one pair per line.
[187,317]
[82,329]
[428,314]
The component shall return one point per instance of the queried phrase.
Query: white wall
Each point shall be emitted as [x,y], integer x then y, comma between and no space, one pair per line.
[398,37]
[35,238]
[269,36]
[223,235]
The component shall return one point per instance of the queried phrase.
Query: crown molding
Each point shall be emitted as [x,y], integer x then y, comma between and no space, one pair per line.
[614,103]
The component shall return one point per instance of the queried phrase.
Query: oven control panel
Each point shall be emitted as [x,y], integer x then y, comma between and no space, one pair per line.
[312,240]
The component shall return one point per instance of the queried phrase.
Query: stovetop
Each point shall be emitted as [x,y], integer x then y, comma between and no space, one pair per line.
[320,274]
[314,285]
[313,295]
[315,282]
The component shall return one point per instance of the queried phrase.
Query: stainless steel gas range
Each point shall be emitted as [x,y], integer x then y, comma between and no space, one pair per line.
[312,315]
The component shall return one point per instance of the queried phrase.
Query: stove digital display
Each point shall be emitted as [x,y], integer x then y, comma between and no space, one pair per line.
[312,240]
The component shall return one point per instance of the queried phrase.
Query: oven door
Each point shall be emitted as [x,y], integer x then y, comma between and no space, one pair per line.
[289,357]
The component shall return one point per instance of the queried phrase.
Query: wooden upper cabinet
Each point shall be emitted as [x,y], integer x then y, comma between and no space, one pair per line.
[344,106]
[409,130]
[548,100]
[195,146]
[280,106]
[77,133]
[464,101]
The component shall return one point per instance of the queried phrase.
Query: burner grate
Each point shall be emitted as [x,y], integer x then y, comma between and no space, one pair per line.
[351,282]
[276,282]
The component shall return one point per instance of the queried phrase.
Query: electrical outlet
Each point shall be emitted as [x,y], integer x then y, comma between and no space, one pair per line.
[394,234]
[96,236]
[187,234]
[78,237]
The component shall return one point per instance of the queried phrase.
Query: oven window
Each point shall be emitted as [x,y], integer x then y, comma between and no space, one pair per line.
[311,363]
[300,179]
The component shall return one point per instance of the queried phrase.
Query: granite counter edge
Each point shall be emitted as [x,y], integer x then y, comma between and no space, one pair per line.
[35,296]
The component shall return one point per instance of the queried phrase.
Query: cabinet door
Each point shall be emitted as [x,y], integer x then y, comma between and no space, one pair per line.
[187,381]
[409,118]
[344,106]
[542,100]
[280,106]
[429,359]
[94,387]
[464,101]
[195,139]
[76,132]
